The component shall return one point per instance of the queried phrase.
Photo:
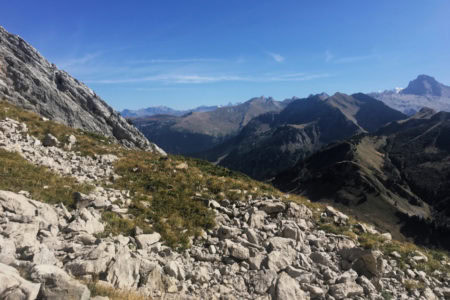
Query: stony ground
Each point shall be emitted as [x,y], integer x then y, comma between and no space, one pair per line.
[260,249]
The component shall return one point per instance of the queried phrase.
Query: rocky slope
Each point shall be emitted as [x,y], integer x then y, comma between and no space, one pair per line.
[200,131]
[264,247]
[28,80]
[424,91]
[273,142]
[396,177]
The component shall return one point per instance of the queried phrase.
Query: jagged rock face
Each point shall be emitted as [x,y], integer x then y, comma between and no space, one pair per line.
[274,142]
[28,80]
[424,91]
[397,177]
[425,85]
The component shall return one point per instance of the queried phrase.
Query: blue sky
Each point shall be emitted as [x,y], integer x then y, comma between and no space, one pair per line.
[187,53]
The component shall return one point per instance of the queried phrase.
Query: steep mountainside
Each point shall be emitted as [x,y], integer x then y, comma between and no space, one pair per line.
[424,91]
[273,142]
[27,79]
[162,110]
[397,177]
[200,131]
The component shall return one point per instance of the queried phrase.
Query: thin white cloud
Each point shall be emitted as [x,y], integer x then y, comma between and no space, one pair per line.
[352,59]
[331,58]
[328,56]
[276,57]
[78,60]
[198,79]
[172,78]
[170,61]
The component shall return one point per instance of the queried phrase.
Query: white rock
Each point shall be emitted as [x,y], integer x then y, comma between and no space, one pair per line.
[347,289]
[145,241]
[57,284]
[13,286]
[174,269]
[288,288]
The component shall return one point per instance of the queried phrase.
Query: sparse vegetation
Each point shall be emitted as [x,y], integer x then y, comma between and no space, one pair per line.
[170,193]
[88,143]
[113,293]
[414,285]
[17,174]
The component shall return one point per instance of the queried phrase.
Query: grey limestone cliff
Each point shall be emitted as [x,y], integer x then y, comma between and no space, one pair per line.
[28,80]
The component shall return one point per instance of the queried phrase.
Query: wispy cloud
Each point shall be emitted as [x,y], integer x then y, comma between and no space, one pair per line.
[276,57]
[352,59]
[78,60]
[174,61]
[197,79]
[328,56]
[331,58]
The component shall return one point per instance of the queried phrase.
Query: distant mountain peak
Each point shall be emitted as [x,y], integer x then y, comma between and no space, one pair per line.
[321,96]
[424,85]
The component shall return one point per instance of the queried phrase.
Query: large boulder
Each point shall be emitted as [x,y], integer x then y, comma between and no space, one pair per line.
[94,262]
[86,221]
[27,210]
[287,288]
[145,241]
[346,290]
[57,284]
[14,287]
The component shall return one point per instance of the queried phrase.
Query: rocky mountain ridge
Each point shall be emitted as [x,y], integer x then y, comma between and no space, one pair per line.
[28,80]
[200,131]
[261,248]
[273,142]
[424,91]
[395,177]
[163,110]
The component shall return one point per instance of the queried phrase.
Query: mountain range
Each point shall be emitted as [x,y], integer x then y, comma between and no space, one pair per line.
[163,110]
[275,141]
[200,131]
[396,177]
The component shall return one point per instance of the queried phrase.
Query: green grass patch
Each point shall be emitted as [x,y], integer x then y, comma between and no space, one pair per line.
[18,174]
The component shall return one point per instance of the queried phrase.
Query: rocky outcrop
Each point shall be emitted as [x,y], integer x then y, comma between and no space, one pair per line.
[28,80]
